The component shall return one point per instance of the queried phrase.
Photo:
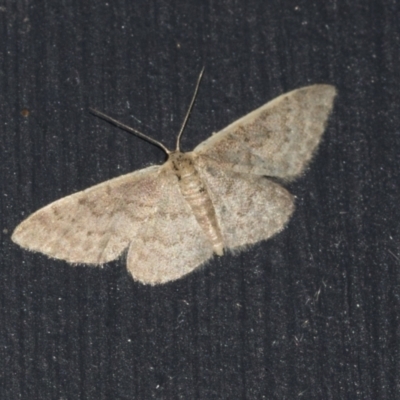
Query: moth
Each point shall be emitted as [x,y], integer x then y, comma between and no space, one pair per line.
[176,216]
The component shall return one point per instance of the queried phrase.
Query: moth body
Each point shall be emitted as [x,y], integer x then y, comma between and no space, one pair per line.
[174,217]
[194,191]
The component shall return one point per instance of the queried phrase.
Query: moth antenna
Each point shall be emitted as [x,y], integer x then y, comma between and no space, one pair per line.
[128,129]
[189,110]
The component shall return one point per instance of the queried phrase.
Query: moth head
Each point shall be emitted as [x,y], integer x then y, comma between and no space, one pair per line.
[181,163]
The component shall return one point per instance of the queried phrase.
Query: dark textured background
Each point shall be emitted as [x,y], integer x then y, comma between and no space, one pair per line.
[311,314]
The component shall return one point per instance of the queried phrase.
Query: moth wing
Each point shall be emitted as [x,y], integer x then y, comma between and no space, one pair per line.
[171,243]
[277,139]
[95,225]
[144,209]
[249,208]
